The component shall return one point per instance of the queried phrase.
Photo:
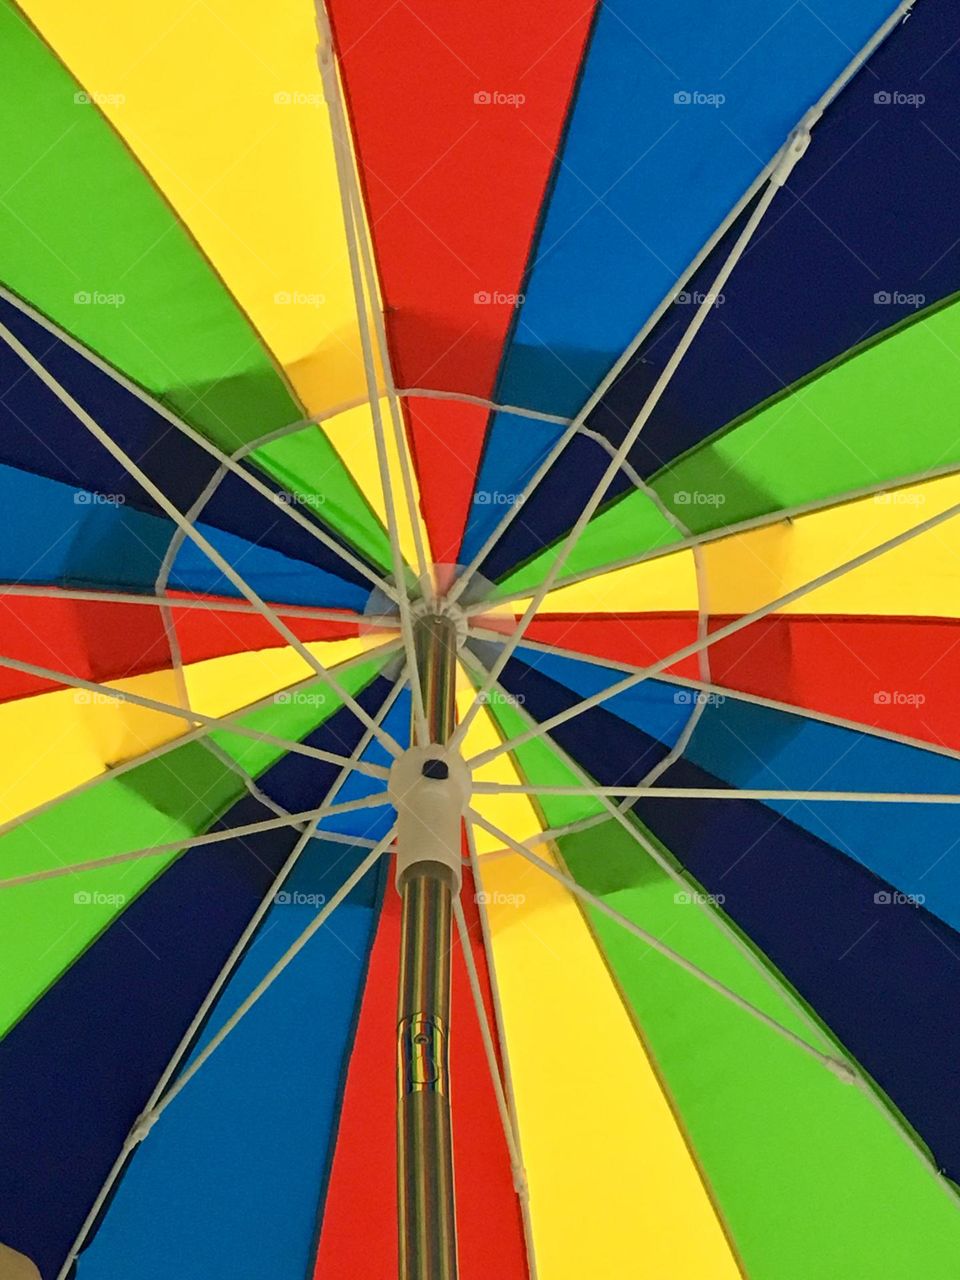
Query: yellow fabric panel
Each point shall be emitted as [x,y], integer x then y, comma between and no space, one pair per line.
[513,813]
[53,742]
[221,685]
[221,102]
[920,578]
[351,434]
[614,1191]
[669,582]
[747,570]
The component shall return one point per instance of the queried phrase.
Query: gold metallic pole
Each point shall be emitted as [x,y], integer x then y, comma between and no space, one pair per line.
[427,1221]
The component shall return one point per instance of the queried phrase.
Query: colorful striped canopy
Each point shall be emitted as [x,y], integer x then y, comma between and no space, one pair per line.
[627,337]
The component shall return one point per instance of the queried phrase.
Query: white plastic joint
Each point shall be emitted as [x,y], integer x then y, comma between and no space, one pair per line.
[842,1070]
[795,147]
[429,788]
[142,1126]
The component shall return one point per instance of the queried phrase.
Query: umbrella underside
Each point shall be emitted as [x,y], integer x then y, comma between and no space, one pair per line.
[625,342]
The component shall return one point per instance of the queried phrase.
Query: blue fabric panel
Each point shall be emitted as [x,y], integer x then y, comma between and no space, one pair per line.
[71,537]
[55,533]
[296,776]
[879,970]
[510,459]
[231,1179]
[40,434]
[832,266]
[77,1069]
[912,846]
[273,576]
[861,239]
[373,824]
[646,175]
[678,108]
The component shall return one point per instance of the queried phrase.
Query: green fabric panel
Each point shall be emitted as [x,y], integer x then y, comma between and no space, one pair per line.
[808,1173]
[305,463]
[607,537]
[109,234]
[80,218]
[47,924]
[44,926]
[885,411]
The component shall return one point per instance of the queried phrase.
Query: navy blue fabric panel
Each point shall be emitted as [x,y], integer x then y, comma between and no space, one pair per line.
[77,1070]
[553,508]
[589,735]
[912,846]
[297,776]
[881,971]
[40,434]
[659,708]
[863,235]
[514,448]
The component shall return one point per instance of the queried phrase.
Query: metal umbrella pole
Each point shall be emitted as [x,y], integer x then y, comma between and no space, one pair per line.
[430,788]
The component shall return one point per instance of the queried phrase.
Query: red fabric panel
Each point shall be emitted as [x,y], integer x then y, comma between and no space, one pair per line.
[103,641]
[209,633]
[456,111]
[358,1238]
[636,638]
[899,674]
[454,177]
[446,439]
[87,638]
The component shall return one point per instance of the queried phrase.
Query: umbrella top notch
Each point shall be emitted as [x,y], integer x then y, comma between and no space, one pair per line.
[437,621]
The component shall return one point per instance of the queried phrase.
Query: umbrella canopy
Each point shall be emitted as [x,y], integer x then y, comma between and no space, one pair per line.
[623,340]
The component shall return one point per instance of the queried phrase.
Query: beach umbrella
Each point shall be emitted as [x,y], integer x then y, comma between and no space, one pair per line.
[478,640]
